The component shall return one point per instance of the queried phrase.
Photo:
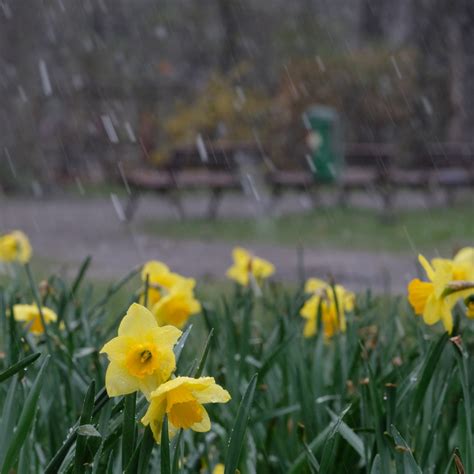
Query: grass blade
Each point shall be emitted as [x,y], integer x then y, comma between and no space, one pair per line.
[178,348]
[177,452]
[462,361]
[204,355]
[53,465]
[165,448]
[25,421]
[85,419]
[403,448]
[8,416]
[329,451]
[128,430]
[15,368]
[349,435]
[427,372]
[80,275]
[237,434]
[145,451]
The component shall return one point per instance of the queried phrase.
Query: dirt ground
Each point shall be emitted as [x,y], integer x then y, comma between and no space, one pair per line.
[65,230]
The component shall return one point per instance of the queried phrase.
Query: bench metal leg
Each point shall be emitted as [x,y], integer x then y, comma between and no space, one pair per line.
[131,205]
[450,196]
[214,201]
[314,196]
[387,198]
[275,196]
[175,200]
[343,196]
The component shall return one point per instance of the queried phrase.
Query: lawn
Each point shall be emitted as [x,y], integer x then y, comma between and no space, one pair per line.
[440,228]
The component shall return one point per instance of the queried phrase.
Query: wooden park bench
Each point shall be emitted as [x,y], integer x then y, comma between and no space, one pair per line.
[445,166]
[212,167]
[366,167]
[299,180]
[375,168]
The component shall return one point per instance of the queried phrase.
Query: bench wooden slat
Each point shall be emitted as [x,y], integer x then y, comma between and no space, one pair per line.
[192,179]
[152,179]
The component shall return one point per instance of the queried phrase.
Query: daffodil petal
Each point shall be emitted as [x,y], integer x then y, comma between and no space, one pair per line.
[310,308]
[152,268]
[432,312]
[310,328]
[148,384]
[21,312]
[447,318]
[212,394]
[241,256]
[204,425]
[167,335]
[240,275]
[137,322]
[154,417]
[117,348]
[118,381]
[426,266]
[314,284]
[465,255]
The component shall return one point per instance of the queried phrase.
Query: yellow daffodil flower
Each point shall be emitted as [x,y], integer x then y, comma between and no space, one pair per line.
[465,255]
[246,264]
[218,469]
[461,267]
[141,356]
[334,304]
[427,297]
[15,247]
[160,281]
[176,307]
[182,399]
[29,315]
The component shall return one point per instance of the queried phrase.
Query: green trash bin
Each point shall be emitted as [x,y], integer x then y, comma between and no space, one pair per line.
[324,139]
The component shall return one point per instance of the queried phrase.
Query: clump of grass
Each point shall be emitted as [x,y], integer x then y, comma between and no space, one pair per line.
[389,395]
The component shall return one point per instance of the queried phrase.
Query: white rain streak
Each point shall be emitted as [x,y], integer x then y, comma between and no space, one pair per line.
[310,163]
[109,128]
[320,63]
[45,82]
[427,105]
[201,147]
[10,162]
[79,185]
[118,207]
[124,177]
[395,66]
[306,122]
[252,188]
[22,94]
[129,130]
[6,10]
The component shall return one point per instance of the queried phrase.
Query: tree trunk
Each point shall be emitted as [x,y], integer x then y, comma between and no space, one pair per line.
[467,40]
[371,20]
[229,54]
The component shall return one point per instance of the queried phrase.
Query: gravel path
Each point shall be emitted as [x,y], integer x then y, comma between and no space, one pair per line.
[64,231]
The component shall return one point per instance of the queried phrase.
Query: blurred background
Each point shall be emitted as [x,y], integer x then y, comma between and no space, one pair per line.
[332,137]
